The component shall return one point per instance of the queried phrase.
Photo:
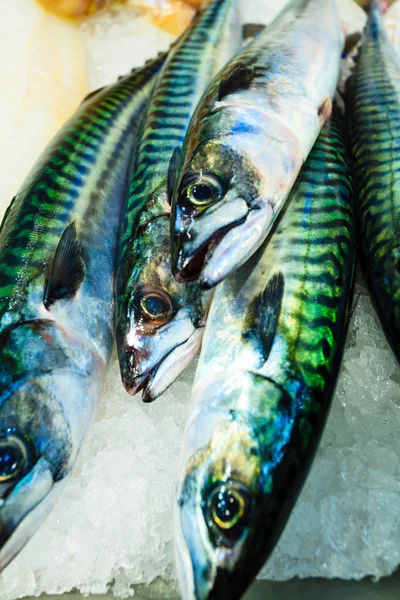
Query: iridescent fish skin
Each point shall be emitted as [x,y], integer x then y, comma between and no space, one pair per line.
[373,108]
[160,322]
[57,252]
[269,362]
[248,139]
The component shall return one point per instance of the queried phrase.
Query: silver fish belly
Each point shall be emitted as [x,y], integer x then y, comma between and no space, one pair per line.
[160,322]
[57,253]
[248,139]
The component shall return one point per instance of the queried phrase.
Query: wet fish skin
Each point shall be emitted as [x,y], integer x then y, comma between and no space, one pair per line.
[160,322]
[267,370]
[57,252]
[247,140]
[373,108]
[155,352]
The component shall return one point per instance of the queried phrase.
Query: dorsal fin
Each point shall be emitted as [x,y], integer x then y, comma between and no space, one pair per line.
[172,171]
[94,93]
[251,30]
[7,212]
[239,78]
[67,270]
[263,314]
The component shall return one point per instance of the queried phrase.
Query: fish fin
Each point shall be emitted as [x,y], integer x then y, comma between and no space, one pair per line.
[94,93]
[239,78]
[7,212]
[67,270]
[172,171]
[251,30]
[265,311]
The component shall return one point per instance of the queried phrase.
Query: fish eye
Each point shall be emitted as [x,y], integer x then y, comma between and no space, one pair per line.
[16,458]
[155,307]
[204,191]
[228,510]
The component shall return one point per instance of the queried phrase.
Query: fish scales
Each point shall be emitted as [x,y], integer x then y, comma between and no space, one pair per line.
[174,99]
[154,347]
[60,186]
[374,124]
[58,244]
[248,138]
[267,370]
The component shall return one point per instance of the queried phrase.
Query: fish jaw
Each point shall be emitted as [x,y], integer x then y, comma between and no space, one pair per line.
[25,509]
[151,362]
[238,245]
[192,248]
[172,366]
[231,443]
[257,168]
[47,416]
[50,383]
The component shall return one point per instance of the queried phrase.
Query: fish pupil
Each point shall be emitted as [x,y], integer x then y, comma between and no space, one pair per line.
[227,507]
[155,305]
[11,458]
[201,192]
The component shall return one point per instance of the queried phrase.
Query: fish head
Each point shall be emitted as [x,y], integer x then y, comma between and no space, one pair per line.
[230,189]
[165,323]
[225,515]
[45,409]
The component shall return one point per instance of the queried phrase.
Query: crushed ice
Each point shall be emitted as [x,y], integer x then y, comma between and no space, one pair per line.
[112,529]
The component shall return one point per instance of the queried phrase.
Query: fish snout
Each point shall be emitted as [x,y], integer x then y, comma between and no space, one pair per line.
[193,245]
[24,509]
[152,362]
[131,360]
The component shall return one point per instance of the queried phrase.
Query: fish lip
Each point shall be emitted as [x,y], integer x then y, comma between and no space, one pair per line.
[190,270]
[136,384]
[150,395]
[13,533]
[186,269]
[141,383]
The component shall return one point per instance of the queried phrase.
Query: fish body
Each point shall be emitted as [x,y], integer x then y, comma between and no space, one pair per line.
[160,322]
[57,252]
[248,139]
[373,108]
[266,374]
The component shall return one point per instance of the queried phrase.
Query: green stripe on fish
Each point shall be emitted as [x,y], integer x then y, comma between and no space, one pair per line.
[266,375]
[160,322]
[248,139]
[374,123]
[58,244]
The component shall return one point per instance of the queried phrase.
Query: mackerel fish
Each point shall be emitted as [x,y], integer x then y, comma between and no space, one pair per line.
[373,108]
[57,252]
[248,139]
[160,322]
[267,371]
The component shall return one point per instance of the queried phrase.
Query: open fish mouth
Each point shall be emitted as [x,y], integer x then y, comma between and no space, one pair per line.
[225,251]
[189,269]
[157,379]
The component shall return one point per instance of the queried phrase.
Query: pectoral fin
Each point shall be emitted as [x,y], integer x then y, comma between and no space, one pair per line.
[263,315]
[67,270]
